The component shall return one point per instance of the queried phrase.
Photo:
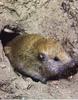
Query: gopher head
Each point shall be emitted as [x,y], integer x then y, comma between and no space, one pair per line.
[37,56]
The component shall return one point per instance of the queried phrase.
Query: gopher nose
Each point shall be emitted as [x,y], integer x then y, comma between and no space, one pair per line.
[69,65]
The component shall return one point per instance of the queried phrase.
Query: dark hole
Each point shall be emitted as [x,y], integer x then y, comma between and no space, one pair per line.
[5,37]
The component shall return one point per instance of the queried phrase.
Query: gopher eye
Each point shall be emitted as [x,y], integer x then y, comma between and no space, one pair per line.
[56,59]
[41,57]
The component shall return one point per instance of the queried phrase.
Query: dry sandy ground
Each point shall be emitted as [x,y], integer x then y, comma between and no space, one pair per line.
[57,18]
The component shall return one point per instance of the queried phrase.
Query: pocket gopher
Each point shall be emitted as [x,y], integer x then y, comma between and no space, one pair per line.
[37,56]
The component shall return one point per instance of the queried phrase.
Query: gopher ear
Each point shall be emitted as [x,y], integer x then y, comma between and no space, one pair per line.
[7,49]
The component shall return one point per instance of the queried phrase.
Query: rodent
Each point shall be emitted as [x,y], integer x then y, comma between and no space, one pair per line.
[37,56]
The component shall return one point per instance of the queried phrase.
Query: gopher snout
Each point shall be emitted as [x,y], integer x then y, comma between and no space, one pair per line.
[58,67]
[67,69]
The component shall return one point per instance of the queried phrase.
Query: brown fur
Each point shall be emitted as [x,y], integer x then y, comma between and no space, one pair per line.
[37,56]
